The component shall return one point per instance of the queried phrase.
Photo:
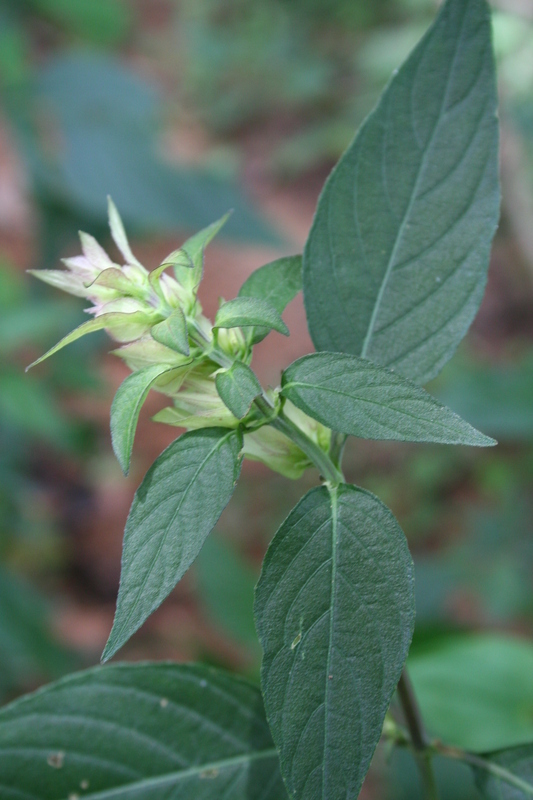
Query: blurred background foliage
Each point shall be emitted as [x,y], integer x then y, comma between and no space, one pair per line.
[181,109]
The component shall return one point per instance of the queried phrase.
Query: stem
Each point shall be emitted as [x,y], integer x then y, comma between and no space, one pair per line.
[321,460]
[412,713]
[419,738]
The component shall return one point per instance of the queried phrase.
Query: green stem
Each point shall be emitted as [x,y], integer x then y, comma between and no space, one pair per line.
[419,738]
[318,457]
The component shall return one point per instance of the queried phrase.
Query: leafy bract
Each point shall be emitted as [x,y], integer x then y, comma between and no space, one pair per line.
[242,312]
[126,408]
[176,506]
[510,774]
[238,387]
[395,265]
[278,283]
[188,260]
[476,692]
[172,332]
[335,613]
[354,396]
[139,732]
[130,324]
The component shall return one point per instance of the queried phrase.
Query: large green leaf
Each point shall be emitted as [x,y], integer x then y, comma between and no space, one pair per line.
[396,261]
[509,775]
[126,408]
[176,506]
[139,732]
[278,283]
[477,692]
[354,396]
[335,613]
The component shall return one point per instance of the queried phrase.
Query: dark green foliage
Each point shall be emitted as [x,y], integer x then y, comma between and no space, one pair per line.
[143,732]
[335,615]
[176,506]
[396,262]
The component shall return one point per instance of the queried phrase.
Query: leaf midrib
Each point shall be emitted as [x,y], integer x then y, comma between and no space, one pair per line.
[407,214]
[333,495]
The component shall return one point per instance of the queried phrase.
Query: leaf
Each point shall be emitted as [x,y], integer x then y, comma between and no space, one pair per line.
[496,398]
[32,407]
[335,613]
[115,152]
[226,583]
[510,776]
[476,692]
[242,312]
[238,387]
[102,23]
[278,283]
[176,506]
[356,397]
[139,732]
[28,650]
[114,278]
[395,265]
[188,261]
[172,332]
[111,320]
[126,407]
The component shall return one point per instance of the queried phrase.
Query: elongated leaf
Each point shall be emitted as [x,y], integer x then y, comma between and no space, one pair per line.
[510,776]
[126,407]
[278,283]
[172,332]
[355,396]
[396,261]
[238,387]
[242,312]
[176,506]
[139,732]
[476,692]
[136,321]
[335,613]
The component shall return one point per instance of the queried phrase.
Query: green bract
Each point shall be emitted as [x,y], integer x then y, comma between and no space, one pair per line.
[393,273]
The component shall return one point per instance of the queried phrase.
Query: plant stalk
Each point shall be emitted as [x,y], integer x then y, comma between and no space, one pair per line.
[419,739]
[318,457]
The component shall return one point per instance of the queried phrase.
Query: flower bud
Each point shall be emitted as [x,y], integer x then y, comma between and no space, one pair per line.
[198,404]
[232,342]
[274,449]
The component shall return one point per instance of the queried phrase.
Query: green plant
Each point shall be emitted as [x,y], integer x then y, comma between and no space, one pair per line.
[393,273]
